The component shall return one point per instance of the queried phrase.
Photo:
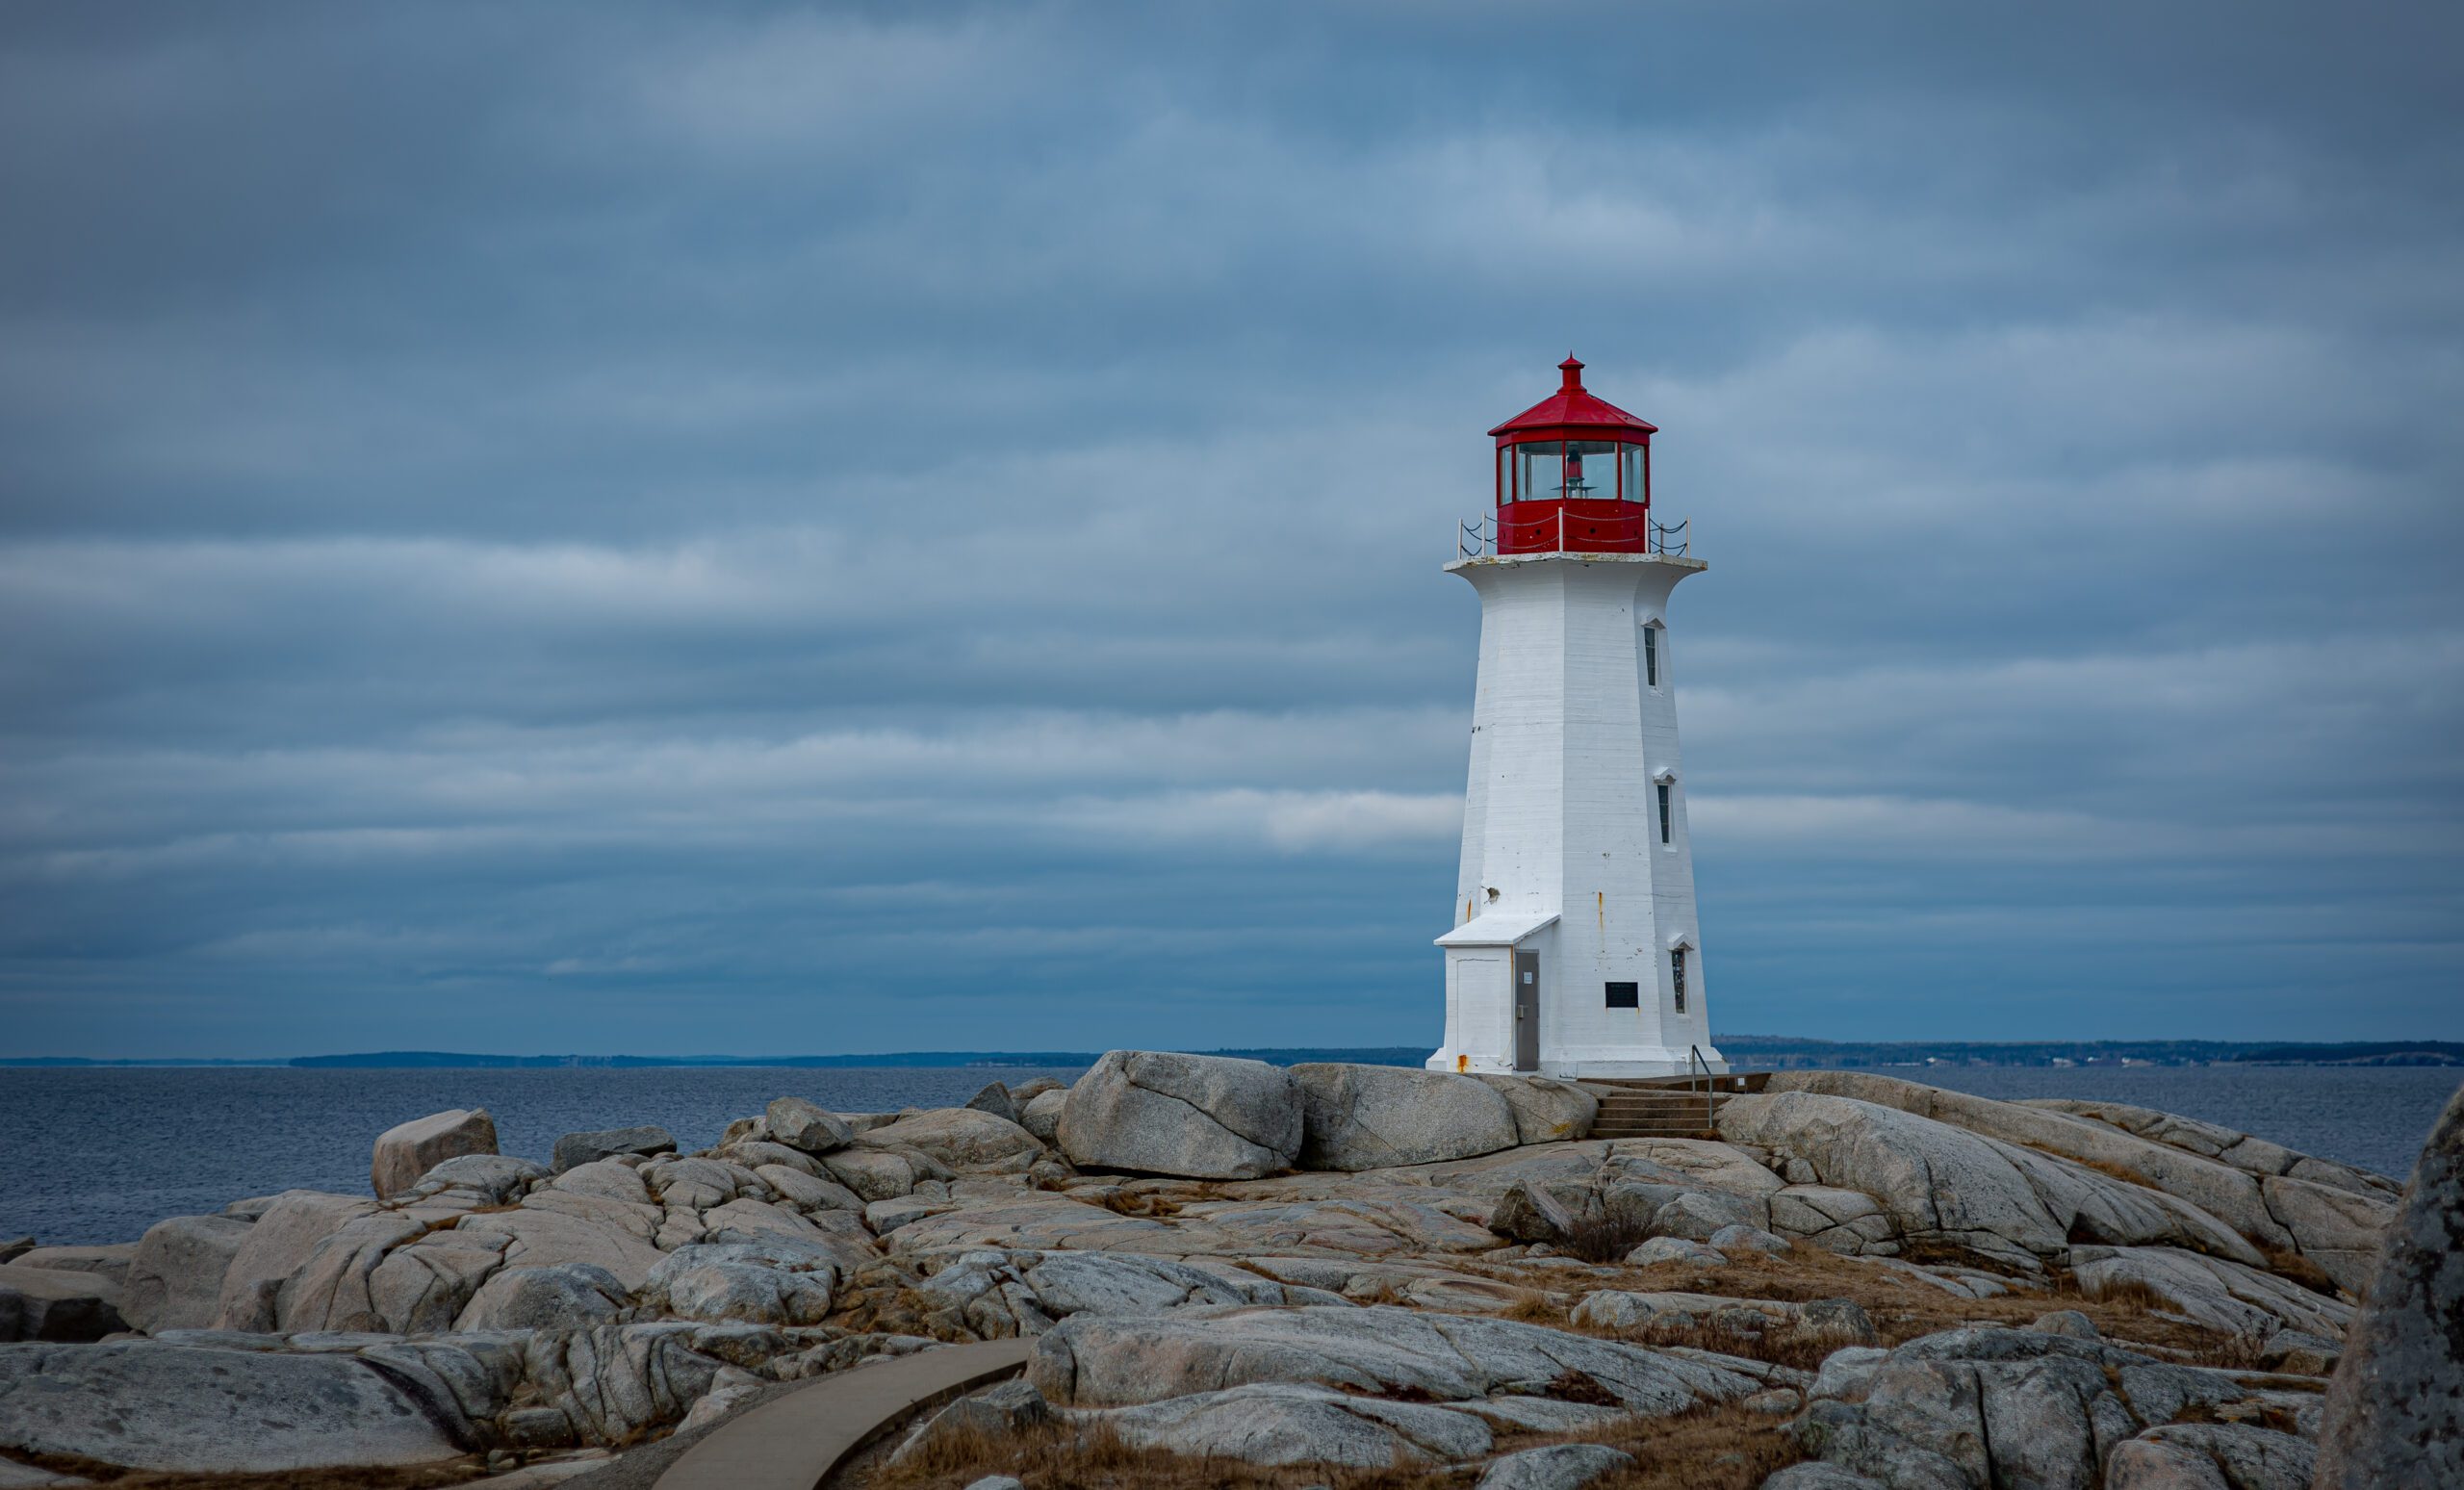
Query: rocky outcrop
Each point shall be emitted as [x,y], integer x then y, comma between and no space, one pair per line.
[1949,1184]
[998,1295]
[1554,1467]
[1200,1117]
[1092,1360]
[579,1148]
[40,1304]
[2396,1410]
[156,1406]
[1278,1423]
[176,1276]
[2225,1146]
[2273,1197]
[405,1152]
[2211,1290]
[1835,1318]
[2212,1456]
[1985,1406]
[1375,1117]
[614,1381]
[776,1281]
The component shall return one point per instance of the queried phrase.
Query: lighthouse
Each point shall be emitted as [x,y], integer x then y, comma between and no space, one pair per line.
[1574,950]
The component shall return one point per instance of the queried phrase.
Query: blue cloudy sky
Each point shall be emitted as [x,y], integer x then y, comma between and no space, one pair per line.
[601,527]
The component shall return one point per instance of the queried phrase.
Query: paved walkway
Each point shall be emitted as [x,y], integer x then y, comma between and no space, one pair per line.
[791,1442]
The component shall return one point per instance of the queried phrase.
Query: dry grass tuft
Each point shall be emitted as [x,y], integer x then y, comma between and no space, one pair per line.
[423,1477]
[2128,1295]
[1532,1307]
[1604,1239]
[1780,1345]
[2294,1267]
[1709,1449]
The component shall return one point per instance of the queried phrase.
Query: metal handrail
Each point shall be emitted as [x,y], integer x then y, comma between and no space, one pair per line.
[1486,535]
[1693,1058]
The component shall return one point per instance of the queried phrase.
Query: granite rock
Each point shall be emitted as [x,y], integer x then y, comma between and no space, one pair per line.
[1198,1116]
[38,1303]
[148,1405]
[1375,1117]
[2396,1408]
[805,1127]
[407,1150]
[580,1148]
[176,1276]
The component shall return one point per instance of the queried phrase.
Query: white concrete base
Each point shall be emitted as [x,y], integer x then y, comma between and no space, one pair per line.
[1627,1061]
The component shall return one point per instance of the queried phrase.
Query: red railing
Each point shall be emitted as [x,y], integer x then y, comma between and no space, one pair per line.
[1569,528]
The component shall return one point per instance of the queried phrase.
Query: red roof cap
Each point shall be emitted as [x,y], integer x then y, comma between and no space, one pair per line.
[1572,407]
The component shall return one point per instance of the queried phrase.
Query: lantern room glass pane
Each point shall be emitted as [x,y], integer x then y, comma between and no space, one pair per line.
[1538,471]
[1632,457]
[1591,470]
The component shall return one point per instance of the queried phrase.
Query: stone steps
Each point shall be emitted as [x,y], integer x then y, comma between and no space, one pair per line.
[1662,1107]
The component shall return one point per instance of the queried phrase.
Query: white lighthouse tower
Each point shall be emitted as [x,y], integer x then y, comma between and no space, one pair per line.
[1576,950]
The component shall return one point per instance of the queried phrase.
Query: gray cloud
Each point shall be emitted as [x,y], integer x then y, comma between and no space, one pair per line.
[617,528]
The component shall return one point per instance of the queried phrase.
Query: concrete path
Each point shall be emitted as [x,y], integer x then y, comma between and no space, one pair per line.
[793,1442]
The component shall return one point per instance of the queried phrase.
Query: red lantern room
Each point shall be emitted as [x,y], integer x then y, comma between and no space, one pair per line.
[1574,475]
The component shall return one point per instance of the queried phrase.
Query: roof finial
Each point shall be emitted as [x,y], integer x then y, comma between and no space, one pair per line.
[1571,371]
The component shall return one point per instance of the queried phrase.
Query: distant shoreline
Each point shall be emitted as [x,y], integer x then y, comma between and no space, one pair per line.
[1745,1051]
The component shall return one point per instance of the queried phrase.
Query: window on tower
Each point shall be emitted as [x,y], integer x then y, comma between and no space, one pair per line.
[1665,821]
[1677,975]
[1650,654]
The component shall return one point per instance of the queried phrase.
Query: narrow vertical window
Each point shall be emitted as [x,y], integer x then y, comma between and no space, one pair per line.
[1651,656]
[1677,975]
[1663,812]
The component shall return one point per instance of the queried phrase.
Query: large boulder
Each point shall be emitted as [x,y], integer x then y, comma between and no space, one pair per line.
[616,1382]
[2396,1409]
[1041,1114]
[277,1247]
[558,1298]
[109,1259]
[176,1276]
[2212,1456]
[776,1281]
[1546,1110]
[407,1150]
[805,1127]
[1379,1117]
[148,1405]
[580,1148]
[964,1138]
[1198,1116]
[39,1304]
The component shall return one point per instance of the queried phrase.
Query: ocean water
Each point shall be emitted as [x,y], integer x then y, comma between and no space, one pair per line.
[98,1155]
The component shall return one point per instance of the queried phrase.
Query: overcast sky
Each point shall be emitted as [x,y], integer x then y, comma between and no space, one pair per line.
[738,528]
